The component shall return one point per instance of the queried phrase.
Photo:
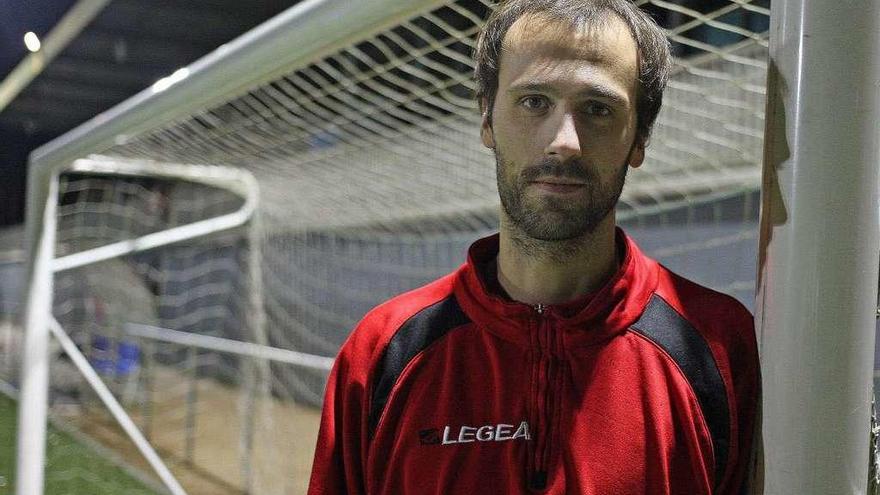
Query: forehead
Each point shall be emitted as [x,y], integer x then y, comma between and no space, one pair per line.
[537,43]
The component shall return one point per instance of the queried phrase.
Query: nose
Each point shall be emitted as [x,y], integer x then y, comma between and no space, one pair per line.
[565,143]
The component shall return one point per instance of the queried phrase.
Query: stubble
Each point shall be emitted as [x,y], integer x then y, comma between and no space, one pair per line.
[544,225]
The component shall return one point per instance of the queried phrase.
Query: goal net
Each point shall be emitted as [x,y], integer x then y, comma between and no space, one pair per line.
[372,181]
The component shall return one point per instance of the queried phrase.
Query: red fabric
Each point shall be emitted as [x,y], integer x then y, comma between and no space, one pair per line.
[608,411]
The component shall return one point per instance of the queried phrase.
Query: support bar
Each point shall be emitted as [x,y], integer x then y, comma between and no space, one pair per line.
[41,227]
[116,409]
[229,346]
[300,35]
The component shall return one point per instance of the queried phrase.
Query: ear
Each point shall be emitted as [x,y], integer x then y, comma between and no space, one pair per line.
[487,136]
[637,154]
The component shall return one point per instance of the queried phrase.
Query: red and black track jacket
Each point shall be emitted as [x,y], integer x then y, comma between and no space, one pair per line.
[649,387]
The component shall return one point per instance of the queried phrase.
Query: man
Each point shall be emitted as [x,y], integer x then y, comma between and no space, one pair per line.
[559,358]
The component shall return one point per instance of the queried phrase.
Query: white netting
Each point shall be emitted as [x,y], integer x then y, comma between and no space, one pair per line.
[199,286]
[206,413]
[373,181]
[373,178]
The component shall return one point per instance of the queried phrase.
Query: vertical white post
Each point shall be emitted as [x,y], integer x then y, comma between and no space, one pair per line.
[32,405]
[257,370]
[820,245]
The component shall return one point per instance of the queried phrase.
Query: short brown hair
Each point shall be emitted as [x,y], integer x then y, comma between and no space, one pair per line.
[655,60]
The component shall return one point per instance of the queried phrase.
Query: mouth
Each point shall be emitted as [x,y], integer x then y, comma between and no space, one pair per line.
[559,186]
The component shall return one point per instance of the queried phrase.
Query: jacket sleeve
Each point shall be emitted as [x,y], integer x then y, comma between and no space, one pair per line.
[746,375]
[340,453]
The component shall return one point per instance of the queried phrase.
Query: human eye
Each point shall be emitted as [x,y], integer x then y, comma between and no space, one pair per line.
[534,103]
[597,109]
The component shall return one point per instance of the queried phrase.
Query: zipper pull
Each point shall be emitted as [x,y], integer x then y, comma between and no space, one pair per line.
[539,308]
[538,481]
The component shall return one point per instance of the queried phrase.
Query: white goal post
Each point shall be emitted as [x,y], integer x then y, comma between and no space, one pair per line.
[44,265]
[820,245]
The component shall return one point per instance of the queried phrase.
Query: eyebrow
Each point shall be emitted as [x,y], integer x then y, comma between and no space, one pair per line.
[595,90]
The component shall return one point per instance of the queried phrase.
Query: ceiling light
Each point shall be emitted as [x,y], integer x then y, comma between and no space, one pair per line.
[31,41]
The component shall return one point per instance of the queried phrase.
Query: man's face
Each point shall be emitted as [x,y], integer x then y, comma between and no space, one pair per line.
[563,124]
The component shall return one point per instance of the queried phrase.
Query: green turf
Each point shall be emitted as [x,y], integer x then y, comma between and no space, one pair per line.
[71,468]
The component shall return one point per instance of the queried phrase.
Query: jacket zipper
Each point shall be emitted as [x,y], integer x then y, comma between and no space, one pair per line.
[538,474]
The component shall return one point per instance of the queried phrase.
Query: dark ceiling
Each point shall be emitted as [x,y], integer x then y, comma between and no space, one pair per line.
[130,45]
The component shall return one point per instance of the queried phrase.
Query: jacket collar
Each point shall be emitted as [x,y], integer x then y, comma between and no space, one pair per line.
[589,320]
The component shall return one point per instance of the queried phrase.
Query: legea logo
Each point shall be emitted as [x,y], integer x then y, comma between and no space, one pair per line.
[466,434]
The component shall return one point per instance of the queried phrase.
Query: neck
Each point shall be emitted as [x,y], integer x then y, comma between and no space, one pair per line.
[551,272]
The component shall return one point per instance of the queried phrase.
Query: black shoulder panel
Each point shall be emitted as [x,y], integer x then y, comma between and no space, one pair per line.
[417,333]
[668,329]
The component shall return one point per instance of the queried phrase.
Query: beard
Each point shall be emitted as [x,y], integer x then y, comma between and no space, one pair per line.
[549,218]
